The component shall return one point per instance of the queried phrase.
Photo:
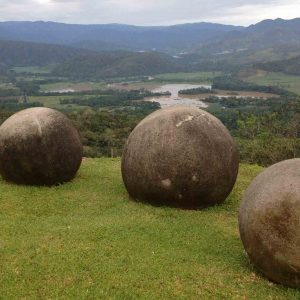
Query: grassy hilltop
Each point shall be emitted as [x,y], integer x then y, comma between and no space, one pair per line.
[87,240]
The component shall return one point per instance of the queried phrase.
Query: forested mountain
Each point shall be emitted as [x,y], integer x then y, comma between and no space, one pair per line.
[115,36]
[77,63]
[14,53]
[277,36]
[199,46]
[117,64]
[267,41]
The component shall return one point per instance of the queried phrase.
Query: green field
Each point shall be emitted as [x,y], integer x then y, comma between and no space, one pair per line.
[77,86]
[34,69]
[54,102]
[87,240]
[288,82]
[47,101]
[197,77]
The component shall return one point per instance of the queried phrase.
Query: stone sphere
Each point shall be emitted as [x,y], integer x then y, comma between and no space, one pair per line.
[39,146]
[182,157]
[269,222]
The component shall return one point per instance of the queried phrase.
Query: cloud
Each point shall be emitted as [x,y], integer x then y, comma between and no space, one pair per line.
[250,14]
[148,12]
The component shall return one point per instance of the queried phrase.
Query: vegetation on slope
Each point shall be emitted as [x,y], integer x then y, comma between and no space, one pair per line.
[288,66]
[267,41]
[276,34]
[230,83]
[117,64]
[115,36]
[17,53]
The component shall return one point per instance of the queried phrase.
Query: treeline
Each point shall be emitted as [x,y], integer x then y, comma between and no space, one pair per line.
[230,83]
[104,132]
[16,106]
[30,88]
[263,136]
[267,131]
[106,125]
[268,138]
[9,92]
[244,103]
[109,101]
[110,98]
[196,91]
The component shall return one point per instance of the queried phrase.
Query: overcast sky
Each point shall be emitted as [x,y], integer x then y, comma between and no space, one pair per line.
[149,12]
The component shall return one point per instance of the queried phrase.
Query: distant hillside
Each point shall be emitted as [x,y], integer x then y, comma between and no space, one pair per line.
[199,46]
[267,41]
[289,66]
[115,36]
[3,68]
[117,64]
[13,53]
[277,34]
[98,46]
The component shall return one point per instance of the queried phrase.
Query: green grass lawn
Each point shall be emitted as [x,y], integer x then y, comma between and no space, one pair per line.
[87,240]
[289,82]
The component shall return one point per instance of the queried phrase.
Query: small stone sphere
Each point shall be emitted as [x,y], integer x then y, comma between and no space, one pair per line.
[269,222]
[39,146]
[181,157]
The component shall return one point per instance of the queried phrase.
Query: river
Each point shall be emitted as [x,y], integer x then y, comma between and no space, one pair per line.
[175,98]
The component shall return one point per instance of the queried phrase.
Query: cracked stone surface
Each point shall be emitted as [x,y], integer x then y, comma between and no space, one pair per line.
[39,146]
[180,156]
[269,222]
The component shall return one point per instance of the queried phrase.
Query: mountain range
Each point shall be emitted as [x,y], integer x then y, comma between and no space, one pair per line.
[199,46]
[114,36]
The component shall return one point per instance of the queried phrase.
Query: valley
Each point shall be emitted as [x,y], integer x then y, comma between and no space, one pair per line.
[107,87]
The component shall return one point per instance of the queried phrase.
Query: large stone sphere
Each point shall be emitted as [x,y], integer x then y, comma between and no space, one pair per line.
[269,222]
[181,157]
[39,146]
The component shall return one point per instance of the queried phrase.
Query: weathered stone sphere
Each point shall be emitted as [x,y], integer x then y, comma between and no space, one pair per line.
[39,146]
[269,222]
[182,157]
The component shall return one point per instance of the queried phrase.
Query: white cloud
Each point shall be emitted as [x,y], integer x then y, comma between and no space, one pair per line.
[251,14]
[148,12]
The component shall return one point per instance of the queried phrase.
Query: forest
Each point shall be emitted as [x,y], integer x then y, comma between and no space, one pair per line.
[266,130]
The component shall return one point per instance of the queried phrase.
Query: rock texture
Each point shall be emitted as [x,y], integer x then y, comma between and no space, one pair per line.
[39,146]
[182,157]
[269,222]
